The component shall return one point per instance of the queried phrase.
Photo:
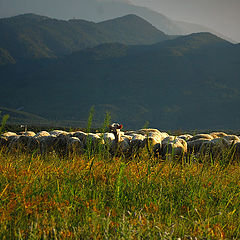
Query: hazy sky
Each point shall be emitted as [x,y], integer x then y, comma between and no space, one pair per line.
[220,15]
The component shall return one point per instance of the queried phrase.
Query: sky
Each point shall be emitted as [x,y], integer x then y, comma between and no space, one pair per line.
[221,15]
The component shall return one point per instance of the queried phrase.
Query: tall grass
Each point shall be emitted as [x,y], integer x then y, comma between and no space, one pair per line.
[105,198]
[3,122]
[97,196]
[90,118]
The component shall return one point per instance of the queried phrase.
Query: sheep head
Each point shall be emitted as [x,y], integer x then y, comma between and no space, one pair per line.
[115,127]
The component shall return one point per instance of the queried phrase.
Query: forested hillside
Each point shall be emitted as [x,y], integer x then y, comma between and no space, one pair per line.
[31,36]
[189,82]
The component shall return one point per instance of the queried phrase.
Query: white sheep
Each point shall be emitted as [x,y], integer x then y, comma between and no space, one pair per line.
[28,133]
[218,134]
[58,132]
[81,135]
[201,136]
[9,134]
[121,143]
[174,149]
[42,134]
[185,137]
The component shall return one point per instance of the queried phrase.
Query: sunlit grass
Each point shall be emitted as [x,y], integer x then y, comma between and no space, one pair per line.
[105,198]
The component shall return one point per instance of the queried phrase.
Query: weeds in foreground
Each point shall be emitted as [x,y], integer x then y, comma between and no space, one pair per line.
[3,122]
[105,198]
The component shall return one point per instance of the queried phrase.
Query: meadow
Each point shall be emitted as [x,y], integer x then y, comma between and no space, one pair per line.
[98,196]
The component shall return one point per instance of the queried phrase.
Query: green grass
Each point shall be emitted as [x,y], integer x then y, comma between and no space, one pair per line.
[103,198]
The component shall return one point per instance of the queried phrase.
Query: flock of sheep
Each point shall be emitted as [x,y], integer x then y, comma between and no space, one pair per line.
[158,143]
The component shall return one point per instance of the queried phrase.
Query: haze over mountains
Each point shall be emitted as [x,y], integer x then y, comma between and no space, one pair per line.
[98,10]
[221,15]
[187,82]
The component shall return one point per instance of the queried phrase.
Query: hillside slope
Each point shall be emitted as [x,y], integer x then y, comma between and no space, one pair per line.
[31,36]
[189,82]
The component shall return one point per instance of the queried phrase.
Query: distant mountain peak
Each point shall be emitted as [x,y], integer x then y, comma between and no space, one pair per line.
[135,25]
[204,37]
[199,39]
[31,16]
[128,17]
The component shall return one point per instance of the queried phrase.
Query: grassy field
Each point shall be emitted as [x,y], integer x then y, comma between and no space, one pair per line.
[95,196]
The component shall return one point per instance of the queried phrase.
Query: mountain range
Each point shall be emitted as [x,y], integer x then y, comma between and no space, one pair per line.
[97,11]
[188,82]
[31,36]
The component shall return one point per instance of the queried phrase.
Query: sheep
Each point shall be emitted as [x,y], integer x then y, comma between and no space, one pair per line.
[150,139]
[33,144]
[60,145]
[42,134]
[215,147]
[124,145]
[115,128]
[136,142]
[174,149]
[232,139]
[147,131]
[46,143]
[129,133]
[153,138]
[9,134]
[12,141]
[185,137]
[152,133]
[236,151]
[108,139]
[74,145]
[58,132]
[171,145]
[218,134]
[92,140]
[20,143]
[28,133]
[81,135]
[23,143]
[201,136]
[195,145]
[168,139]
[65,144]
[119,142]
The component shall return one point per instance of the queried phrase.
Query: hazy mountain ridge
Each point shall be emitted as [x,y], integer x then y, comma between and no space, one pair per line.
[189,82]
[96,10]
[34,37]
[189,28]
